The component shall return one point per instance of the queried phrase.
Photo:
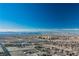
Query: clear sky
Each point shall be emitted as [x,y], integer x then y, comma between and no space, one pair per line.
[43,16]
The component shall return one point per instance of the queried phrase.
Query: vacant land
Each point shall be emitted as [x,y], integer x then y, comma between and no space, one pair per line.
[39,45]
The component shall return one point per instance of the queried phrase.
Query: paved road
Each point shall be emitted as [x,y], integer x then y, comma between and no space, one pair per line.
[6,52]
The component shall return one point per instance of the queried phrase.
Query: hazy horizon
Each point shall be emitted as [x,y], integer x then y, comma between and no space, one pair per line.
[35,30]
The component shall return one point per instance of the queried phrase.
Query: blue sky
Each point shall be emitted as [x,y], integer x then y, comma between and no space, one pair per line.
[43,16]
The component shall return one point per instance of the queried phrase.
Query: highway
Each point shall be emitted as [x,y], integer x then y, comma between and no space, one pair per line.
[6,52]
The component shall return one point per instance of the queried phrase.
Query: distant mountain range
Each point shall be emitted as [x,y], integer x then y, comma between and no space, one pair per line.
[53,32]
[67,32]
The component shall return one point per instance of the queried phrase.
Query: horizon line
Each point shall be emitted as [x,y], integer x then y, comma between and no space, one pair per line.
[33,30]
